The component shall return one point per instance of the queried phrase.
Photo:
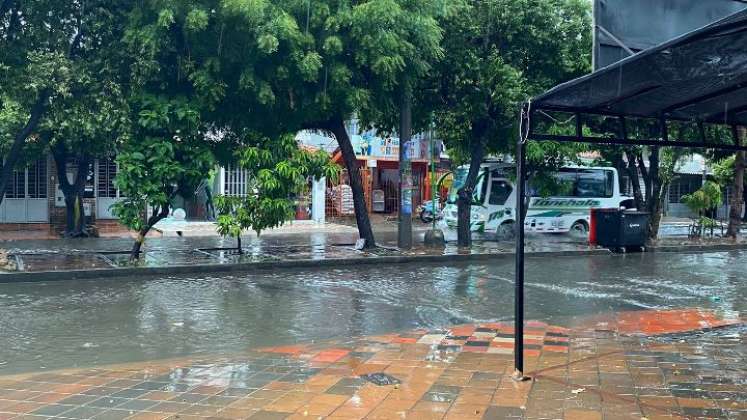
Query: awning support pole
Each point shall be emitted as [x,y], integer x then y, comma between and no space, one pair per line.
[519,274]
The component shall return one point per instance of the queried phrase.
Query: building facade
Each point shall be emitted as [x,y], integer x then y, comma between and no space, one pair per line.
[34,201]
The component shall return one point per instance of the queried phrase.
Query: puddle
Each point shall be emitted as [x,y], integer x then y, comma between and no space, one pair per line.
[113,320]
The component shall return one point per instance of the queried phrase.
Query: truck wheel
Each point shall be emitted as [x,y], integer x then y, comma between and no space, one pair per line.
[579,228]
[505,232]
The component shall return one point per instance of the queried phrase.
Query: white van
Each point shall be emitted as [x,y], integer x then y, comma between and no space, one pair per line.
[579,189]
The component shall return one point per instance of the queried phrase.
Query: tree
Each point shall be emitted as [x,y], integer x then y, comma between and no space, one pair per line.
[730,171]
[166,154]
[81,127]
[277,172]
[41,42]
[304,67]
[657,177]
[701,202]
[171,89]
[498,53]
[652,167]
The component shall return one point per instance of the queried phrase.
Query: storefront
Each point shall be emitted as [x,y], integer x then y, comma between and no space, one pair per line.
[378,158]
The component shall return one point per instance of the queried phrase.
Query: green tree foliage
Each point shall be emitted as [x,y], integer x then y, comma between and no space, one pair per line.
[171,89]
[277,172]
[83,126]
[705,198]
[165,155]
[42,46]
[314,64]
[497,54]
[723,170]
[702,201]
[730,171]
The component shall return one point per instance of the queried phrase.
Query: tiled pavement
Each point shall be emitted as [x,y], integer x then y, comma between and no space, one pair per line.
[604,369]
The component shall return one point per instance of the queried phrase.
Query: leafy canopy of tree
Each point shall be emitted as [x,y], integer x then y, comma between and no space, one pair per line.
[44,45]
[166,154]
[168,150]
[85,125]
[705,198]
[497,54]
[313,65]
[277,172]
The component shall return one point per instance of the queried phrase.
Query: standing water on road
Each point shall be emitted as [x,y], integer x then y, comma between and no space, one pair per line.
[82,323]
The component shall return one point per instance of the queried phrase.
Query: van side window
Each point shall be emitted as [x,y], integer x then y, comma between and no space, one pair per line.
[499,192]
[595,183]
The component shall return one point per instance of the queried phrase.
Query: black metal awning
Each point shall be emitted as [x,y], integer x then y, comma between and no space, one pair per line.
[698,78]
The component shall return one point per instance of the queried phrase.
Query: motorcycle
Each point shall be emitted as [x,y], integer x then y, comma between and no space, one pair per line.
[426,212]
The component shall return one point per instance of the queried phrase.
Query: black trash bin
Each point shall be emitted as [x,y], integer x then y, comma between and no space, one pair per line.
[621,230]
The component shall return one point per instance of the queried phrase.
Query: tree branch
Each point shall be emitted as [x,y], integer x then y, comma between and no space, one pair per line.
[20,140]
[59,153]
[642,165]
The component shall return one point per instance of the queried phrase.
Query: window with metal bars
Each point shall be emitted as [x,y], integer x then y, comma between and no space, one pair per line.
[107,169]
[235,181]
[37,179]
[30,182]
[683,185]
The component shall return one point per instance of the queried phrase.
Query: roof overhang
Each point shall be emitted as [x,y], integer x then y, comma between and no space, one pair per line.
[700,78]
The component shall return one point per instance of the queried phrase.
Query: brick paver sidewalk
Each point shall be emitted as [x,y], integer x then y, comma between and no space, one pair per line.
[626,366]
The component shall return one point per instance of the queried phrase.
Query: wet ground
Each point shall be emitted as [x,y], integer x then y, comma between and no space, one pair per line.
[617,366]
[84,323]
[96,253]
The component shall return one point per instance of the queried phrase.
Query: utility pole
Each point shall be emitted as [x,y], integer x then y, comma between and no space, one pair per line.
[434,187]
[404,231]
[434,238]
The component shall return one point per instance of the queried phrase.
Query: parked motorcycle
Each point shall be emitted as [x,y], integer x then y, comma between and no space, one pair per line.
[426,211]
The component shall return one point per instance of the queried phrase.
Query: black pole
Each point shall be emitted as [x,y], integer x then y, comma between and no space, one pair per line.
[519,275]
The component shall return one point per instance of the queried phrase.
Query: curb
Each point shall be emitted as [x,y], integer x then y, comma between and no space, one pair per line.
[50,276]
[698,248]
[63,275]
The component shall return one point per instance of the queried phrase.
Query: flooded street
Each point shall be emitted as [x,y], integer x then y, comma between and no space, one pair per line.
[82,323]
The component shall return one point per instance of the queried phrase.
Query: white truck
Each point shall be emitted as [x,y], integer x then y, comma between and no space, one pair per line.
[567,209]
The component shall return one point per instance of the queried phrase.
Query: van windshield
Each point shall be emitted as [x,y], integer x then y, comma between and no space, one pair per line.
[460,178]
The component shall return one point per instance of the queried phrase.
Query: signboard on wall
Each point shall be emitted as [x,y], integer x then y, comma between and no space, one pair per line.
[625,26]
[370,147]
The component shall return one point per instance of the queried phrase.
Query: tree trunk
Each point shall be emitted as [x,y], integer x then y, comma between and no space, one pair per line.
[239,248]
[75,218]
[737,197]
[621,168]
[337,127]
[656,209]
[20,139]
[635,180]
[654,201]
[157,216]
[466,193]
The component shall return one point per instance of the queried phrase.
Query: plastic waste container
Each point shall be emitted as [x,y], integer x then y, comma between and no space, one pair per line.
[621,230]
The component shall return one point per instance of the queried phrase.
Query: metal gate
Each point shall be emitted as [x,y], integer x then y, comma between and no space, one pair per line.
[106,193]
[26,199]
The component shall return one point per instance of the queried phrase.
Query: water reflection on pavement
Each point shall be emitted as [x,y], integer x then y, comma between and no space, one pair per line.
[79,323]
